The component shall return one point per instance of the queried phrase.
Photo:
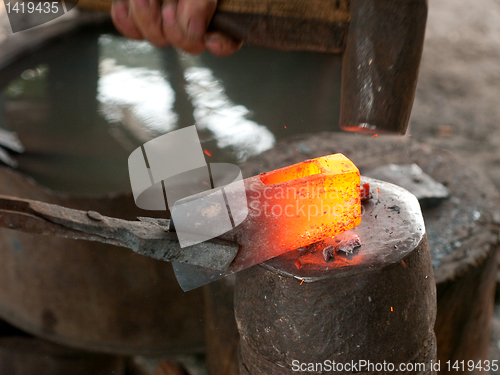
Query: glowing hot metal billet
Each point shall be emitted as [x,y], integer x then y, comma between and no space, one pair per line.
[289,208]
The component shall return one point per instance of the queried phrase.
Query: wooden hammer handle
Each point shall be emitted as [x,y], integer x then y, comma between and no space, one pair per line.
[314,25]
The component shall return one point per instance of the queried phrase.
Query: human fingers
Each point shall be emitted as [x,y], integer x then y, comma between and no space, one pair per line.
[221,45]
[174,32]
[123,21]
[148,20]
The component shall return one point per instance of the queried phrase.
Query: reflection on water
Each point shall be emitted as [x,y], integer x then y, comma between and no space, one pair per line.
[137,97]
[134,93]
[214,111]
[140,100]
[83,104]
[31,84]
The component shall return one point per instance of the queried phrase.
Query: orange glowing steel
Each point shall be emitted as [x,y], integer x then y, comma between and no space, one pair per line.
[312,200]
[298,205]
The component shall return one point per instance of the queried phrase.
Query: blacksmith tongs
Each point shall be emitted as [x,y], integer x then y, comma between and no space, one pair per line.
[148,236]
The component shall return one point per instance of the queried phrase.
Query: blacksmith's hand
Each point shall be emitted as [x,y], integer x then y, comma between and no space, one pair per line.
[180,23]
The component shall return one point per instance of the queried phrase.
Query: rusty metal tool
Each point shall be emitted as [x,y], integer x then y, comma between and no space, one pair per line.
[149,237]
[381,42]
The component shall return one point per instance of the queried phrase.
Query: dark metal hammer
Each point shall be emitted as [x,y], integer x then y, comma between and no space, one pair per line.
[380,64]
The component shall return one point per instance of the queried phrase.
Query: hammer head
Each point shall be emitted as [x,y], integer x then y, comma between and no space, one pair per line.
[380,64]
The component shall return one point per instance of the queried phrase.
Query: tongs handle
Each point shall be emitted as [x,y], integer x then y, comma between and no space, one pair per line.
[49,219]
[150,238]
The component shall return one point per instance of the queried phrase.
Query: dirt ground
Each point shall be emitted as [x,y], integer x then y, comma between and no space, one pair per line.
[457,102]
